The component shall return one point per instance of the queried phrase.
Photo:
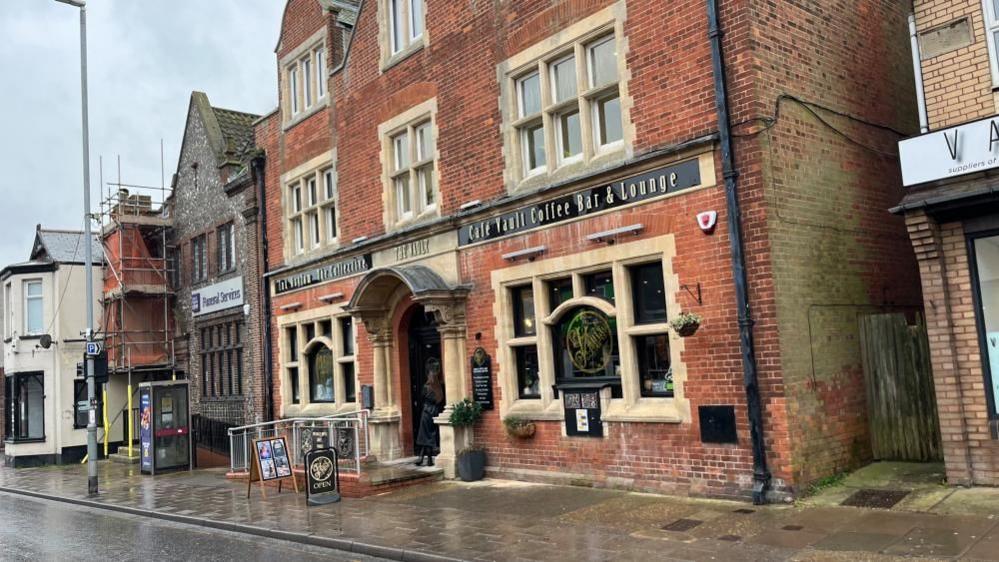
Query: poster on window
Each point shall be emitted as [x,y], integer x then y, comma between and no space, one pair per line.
[145,429]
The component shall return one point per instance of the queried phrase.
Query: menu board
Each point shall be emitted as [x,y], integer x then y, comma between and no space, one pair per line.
[482,379]
[270,462]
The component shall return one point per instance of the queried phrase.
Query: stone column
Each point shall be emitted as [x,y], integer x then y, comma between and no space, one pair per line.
[384,419]
[450,316]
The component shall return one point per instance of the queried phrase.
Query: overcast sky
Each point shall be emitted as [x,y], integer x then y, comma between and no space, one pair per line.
[145,57]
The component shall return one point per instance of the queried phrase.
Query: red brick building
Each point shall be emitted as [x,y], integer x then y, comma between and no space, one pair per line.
[526,178]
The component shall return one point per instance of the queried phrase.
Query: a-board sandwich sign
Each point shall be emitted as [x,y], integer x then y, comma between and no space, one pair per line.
[322,477]
[270,462]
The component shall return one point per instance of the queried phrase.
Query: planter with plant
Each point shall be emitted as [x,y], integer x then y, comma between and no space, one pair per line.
[465,413]
[519,427]
[685,324]
[472,463]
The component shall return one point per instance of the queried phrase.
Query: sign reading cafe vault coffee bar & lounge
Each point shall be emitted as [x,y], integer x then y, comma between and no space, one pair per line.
[642,187]
[947,153]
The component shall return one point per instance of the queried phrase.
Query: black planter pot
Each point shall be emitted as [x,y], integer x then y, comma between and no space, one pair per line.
[472,465]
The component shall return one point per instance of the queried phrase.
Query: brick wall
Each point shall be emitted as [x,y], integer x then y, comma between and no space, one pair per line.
[816,200]
[817,235]
[957,83]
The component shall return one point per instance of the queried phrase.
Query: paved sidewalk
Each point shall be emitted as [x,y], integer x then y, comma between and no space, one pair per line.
[503,520]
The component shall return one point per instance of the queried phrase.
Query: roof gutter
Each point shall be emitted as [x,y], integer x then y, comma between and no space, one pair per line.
[761,475]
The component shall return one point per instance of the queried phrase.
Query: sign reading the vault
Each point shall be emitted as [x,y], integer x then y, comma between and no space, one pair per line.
[482,378]
[220,296]
[642,187]
[964,149]
[328,272]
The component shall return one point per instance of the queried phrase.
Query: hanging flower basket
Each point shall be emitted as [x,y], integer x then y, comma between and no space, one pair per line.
[519,427]
[685,324]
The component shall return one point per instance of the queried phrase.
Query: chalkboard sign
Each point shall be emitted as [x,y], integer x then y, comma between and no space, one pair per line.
[270,462]
[482,378]
[322,477]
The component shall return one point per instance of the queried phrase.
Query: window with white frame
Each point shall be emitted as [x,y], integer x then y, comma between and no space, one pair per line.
[225,237]
[306,73]
[991,8]
[34,322]
[319,358]
[405,23]
[199,258]
[312,212]
[618,306]
[8,303]
[412,170]
[565,106]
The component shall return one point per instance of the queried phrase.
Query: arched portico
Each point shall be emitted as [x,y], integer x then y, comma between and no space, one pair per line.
[374,303]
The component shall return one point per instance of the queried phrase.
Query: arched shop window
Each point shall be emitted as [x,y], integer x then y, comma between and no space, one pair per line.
[321,375]
[584,342]
[590,322]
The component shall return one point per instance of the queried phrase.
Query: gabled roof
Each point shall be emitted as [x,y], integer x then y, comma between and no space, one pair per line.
[64,246]
[230,132]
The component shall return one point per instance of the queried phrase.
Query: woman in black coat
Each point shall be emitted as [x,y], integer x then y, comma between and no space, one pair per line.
[428,435]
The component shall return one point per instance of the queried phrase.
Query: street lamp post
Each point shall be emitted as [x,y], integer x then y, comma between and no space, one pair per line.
[88,257]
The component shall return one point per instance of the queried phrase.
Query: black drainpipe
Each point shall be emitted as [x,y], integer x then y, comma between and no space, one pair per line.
[265,288]
[761,476]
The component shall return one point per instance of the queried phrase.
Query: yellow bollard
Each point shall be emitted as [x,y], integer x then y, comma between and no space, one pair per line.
[131,422]
[104,416]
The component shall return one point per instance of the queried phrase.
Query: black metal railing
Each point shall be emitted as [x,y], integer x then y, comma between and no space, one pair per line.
[210,434]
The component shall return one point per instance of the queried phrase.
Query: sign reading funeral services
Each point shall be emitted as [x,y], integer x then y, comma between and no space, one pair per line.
[964,149]
[642,187]
[328,272]
[220,296]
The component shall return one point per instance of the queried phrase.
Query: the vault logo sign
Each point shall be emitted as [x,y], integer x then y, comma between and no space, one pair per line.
[589,341]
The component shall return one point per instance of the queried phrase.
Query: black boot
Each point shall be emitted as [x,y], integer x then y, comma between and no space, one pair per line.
[430,460]
[423,453]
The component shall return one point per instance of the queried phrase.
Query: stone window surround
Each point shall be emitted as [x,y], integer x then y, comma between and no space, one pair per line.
[316,166]
[574,37]
[308,47]
[632,407]
[335,314]
[425,111]
[387,58]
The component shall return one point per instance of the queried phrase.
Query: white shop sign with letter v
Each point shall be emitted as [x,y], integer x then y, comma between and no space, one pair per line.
[220,296]
[947,153]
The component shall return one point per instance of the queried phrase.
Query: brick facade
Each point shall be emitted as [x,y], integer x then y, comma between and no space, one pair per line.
[820,248]
[942,219]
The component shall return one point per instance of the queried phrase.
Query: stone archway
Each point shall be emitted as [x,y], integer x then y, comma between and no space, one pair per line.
[373,303]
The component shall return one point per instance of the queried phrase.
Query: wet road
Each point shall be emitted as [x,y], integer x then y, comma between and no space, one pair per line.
[36,530]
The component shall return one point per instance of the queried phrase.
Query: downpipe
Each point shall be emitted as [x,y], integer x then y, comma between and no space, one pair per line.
[258,165]
[761,475]
[917,72]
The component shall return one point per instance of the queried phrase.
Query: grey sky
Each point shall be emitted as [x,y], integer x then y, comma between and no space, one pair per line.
[145,58]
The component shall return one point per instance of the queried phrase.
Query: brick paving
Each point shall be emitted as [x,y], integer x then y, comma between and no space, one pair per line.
[504,520]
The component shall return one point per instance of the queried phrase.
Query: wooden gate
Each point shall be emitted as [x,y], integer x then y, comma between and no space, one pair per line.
[901,404]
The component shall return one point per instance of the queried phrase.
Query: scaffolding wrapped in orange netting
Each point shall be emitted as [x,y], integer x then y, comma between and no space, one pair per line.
[138,315]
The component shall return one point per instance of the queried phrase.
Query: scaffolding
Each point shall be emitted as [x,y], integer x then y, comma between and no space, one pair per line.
[137,292]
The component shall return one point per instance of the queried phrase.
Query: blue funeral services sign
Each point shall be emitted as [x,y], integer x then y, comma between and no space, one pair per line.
[220,296]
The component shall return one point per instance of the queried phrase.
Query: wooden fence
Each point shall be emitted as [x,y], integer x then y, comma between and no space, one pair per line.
[901,403]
